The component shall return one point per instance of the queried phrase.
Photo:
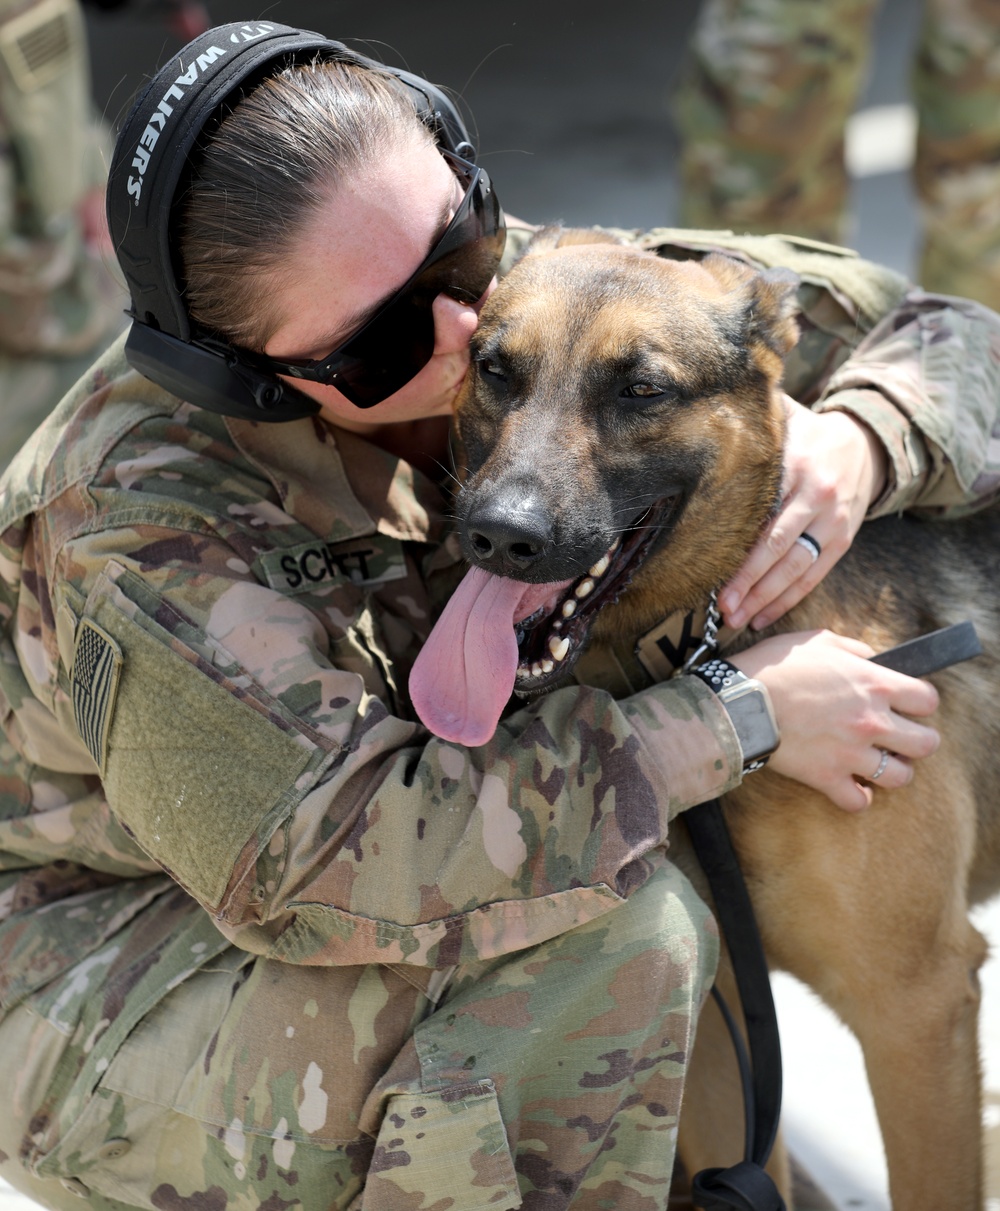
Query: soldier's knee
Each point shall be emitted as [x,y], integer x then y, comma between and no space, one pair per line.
[668,922]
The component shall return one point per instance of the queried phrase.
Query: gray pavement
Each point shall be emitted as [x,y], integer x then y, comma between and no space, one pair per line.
[571,102]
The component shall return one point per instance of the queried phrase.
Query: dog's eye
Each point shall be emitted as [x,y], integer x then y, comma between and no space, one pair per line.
[492,368]
[643,391]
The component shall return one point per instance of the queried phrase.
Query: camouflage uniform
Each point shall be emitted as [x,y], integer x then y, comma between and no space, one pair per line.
[266,943]
[762,111]
[59,303]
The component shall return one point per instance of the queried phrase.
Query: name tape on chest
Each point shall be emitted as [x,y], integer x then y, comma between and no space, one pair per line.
[361,562]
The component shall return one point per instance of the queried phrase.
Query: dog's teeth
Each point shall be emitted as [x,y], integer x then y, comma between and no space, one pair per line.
[558,647]
[601,566]
[614,546]
[568,609]
[536,669]
[547,666]
[584,588]
[557,625]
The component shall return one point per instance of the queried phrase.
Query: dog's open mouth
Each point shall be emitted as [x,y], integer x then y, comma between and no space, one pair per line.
[549,643]
[498,636]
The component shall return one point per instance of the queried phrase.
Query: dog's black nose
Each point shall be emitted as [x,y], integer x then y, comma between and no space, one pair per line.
[508,535]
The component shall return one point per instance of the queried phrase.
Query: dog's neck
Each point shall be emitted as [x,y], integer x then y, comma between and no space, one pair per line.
[625,665]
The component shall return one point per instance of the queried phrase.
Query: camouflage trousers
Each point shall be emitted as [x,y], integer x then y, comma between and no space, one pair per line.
[547,1079]
[762,110]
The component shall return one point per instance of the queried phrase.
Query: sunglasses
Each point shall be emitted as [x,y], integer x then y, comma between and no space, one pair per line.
[397,342]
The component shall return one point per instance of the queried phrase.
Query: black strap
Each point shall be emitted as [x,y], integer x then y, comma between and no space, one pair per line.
[928,653]
[742,1187]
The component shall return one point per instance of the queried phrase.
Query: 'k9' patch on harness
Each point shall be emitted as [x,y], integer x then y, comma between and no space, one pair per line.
[97,667]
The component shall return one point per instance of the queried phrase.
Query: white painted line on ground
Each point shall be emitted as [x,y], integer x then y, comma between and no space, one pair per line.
[880,139]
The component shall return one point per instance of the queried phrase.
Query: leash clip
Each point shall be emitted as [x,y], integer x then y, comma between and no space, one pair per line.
[710,640]
[743,1187]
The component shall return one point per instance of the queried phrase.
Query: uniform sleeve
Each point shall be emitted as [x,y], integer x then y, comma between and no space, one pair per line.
[319,828]
[926,380]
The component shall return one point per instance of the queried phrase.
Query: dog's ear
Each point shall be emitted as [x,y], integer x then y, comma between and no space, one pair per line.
[769,296]
[548,238]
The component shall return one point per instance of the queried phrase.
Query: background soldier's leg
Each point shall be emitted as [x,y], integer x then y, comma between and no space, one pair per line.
[761,112]
[957,89]
[585,1040]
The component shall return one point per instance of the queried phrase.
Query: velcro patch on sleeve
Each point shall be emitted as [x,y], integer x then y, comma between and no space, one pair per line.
[200,770]
[97,668]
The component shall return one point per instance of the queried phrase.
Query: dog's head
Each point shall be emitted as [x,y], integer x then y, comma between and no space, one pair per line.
[620,439]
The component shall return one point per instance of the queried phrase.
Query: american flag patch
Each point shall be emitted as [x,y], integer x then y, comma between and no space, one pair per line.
[97,666]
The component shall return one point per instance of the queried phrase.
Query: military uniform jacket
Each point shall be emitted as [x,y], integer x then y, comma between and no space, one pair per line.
[206,628]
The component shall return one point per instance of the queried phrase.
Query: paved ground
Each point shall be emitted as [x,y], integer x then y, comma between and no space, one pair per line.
[574,125]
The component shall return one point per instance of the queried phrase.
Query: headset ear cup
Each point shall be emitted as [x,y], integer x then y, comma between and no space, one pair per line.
[438,113]
[215,381]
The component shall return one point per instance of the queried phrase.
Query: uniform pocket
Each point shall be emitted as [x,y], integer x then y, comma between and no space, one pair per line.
[101,1004]
[449,1146]
[120,1136]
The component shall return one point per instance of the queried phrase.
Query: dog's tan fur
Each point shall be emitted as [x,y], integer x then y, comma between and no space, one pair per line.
[869,910]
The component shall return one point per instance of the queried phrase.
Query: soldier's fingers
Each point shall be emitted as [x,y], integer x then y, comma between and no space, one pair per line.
[774,563]
[783,587]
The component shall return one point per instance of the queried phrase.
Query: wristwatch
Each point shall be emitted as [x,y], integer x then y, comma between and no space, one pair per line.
[749,706]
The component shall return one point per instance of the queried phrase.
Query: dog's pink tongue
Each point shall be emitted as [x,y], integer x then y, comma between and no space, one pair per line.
[465,672]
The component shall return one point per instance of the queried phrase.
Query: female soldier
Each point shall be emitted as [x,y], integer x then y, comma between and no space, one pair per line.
[266,943]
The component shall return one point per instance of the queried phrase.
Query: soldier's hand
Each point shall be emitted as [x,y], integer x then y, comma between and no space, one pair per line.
[839,715]
[834,468]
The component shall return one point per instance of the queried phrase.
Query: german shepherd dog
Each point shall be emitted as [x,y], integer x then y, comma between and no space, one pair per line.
[622,429]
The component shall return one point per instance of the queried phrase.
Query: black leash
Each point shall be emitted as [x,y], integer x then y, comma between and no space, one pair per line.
[744,1186]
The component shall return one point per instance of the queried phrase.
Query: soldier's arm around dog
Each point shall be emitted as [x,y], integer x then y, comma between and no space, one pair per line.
[264,938]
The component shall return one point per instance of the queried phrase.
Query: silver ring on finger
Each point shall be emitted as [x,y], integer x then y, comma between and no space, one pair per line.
[883,761]
[810,544]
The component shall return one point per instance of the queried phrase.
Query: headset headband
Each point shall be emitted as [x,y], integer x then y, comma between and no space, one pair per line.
[149,163]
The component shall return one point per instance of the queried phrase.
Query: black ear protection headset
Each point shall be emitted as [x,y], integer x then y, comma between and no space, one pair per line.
[149,167]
